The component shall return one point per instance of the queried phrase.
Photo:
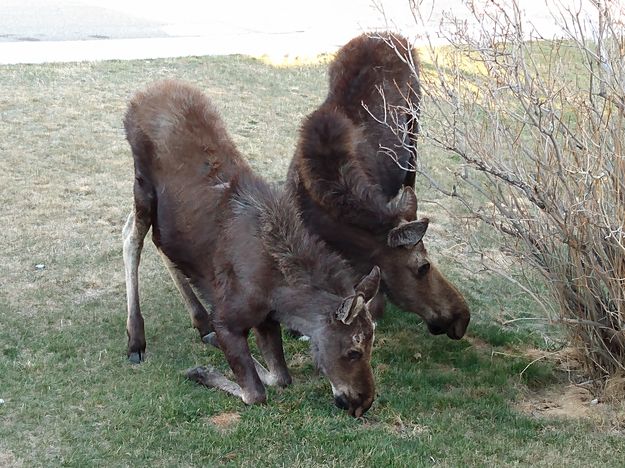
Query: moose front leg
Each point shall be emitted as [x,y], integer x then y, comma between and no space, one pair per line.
[269,340]
[208,376]
[265,376]
[237,351]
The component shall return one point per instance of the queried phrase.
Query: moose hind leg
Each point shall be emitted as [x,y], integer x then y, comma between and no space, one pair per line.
[199,316]
[134,233]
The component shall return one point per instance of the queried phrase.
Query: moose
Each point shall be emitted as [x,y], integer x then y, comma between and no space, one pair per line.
[240,244]
[355,196]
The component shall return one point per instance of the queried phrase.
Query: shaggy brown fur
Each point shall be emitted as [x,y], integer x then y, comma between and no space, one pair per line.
[336,178]
[344,183]
[241,243]
[361,68]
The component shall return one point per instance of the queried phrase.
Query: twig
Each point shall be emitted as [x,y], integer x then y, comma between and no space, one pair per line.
[530,364]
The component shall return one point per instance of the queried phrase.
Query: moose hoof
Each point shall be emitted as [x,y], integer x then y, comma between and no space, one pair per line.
[254,398]
[284,381]
[136,358]
[211,339]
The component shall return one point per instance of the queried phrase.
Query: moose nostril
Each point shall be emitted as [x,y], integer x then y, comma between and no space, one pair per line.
[457,329]
[435,329]
[341,402]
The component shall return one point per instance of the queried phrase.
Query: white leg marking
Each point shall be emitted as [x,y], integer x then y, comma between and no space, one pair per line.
[210,377]
[266,377]
[133,243]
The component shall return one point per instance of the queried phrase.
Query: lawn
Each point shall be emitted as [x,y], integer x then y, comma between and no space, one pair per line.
[72,399]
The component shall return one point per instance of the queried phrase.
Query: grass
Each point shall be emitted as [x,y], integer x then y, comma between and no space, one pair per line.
[72,399]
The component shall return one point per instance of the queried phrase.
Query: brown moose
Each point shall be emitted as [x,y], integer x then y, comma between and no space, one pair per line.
[240,243]
[356,197]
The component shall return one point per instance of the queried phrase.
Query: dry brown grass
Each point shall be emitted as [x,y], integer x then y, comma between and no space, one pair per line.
[224,421]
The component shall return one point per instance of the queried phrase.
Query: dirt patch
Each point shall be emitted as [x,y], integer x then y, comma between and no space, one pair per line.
[602,405]
[8,460]
[381,369]
[566,359]
[408,428]
[566,400]
[398,426]
[299,360]
[576,402]
[224,421]
[569,401]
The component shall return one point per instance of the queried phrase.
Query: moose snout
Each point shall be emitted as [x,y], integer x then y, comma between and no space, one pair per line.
[356,407]
[455,329]
[436,329]
[341,401]
[458,327]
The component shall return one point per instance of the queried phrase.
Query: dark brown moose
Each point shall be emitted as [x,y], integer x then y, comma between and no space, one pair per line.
[356,196]
[240,243]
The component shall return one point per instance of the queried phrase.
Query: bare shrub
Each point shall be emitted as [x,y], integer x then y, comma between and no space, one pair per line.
[536,133]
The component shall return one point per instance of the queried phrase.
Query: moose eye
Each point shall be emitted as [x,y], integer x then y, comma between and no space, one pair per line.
[354,355]
[423,269]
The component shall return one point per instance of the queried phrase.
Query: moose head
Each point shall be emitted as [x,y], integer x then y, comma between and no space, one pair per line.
[342,347]
[409,278]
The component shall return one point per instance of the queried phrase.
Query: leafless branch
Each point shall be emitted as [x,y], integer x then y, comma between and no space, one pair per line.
[538,126]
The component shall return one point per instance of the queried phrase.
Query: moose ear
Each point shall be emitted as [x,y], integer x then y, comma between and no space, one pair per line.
[350,308]
[408,234]
[368,286]
[404,203]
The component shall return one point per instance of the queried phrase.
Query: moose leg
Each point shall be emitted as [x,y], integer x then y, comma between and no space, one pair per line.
[237,351]
[199,316]
[265,376]
[208,376]
[269,340]
[133,235]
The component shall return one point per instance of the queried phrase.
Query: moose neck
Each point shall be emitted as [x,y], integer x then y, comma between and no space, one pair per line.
[303,310]
[312,279]
[299,257]
[351,241]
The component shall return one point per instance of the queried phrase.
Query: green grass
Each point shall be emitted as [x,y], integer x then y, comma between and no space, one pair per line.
[71,397]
